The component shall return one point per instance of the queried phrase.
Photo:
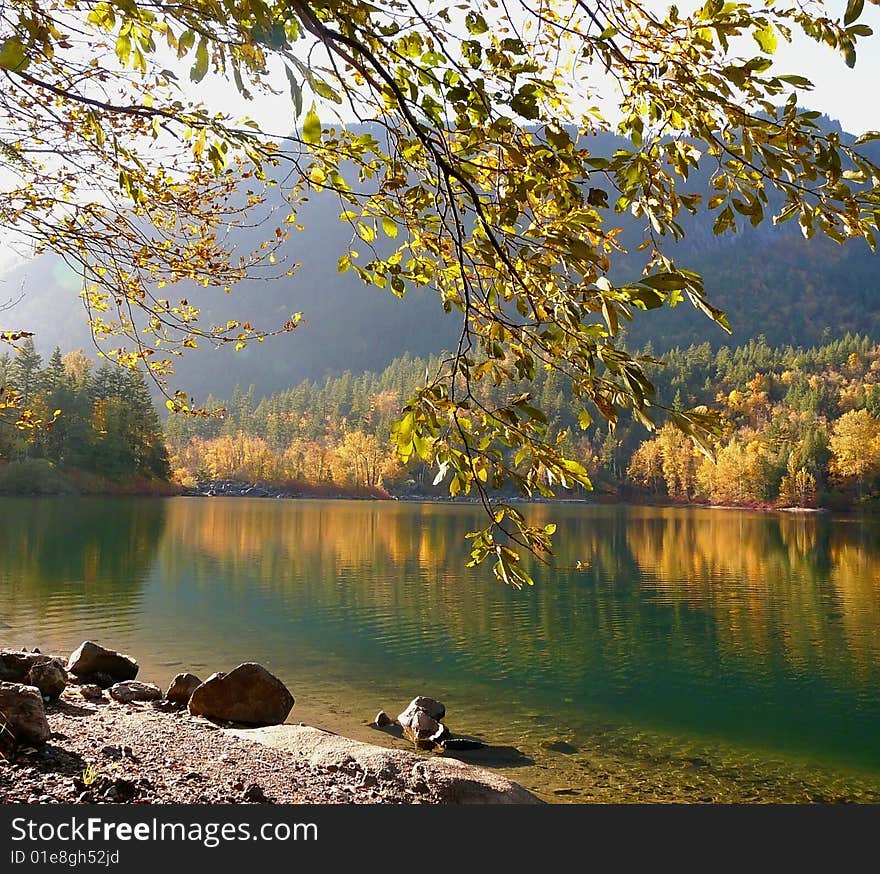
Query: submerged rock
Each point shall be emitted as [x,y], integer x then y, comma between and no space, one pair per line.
[461,744]
[132,690]
[182,687]
[249,694]
[96,663]
[22,715]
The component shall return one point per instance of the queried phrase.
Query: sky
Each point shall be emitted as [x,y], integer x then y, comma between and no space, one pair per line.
[849,96]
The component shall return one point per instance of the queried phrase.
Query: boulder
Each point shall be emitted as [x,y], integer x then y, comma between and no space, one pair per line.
[431,706]
[436,778]
[15,664]
[22,715]
[182,687]
[98,664]
[249,694]
[132,690]
[50,677]
[421,721]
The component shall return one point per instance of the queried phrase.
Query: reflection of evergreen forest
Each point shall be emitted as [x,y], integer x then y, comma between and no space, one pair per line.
[65,562]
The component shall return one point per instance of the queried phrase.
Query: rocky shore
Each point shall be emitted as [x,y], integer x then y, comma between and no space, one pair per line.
[228,488]
[84,730]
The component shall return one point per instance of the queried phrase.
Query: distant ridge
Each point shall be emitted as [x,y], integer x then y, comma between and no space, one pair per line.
[770,281]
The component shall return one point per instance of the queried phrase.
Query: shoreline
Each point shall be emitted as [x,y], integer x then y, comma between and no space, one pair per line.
[255,491]
[103,750]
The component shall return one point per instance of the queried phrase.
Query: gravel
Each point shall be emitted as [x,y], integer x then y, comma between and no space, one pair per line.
[144,753]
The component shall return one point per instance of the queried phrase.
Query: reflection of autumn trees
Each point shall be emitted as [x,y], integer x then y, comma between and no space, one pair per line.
[790,587]
[783,591]
[405,560]
[855,576]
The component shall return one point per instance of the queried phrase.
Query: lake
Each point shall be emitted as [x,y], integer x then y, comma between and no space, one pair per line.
[702,654]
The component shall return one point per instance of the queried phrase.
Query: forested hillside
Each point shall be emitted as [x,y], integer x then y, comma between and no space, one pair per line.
[93,428]
[800,426]
[770,280]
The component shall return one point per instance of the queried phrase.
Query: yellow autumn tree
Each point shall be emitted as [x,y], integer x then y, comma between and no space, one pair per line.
[855,447]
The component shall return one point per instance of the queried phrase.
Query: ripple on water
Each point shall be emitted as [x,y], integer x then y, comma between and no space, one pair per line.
[705,655]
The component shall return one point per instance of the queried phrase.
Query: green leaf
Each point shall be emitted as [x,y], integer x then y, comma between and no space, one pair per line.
[312,127]
[867,137]
[853,11]
[295,91]
[475,23]
[13,56]
[200,68]
[322,89]
[766,39]
[389,226]
[186,42]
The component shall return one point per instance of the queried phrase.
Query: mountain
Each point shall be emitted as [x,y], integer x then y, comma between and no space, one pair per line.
[769,280]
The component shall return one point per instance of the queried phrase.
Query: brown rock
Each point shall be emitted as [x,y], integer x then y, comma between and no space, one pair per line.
[382,719]
[22,714]
[421,721]
[91,692]
[132,690]
[249,694]
[93,661]
[15,664]
[49,677]
[182,687]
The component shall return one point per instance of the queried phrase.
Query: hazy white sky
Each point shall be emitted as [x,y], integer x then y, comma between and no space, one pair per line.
[850,96]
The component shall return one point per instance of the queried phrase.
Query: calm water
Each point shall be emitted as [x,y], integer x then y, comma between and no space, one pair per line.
[705,654]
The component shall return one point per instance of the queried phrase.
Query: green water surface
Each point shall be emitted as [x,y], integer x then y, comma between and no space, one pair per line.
[702,655]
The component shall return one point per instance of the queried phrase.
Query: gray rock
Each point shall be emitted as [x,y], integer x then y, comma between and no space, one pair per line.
[443,779]
[132,690]
[49,677]
[95,662]
[22,715]
[382,719]
[421,721]
[182,687]
[248,694]
[431,706]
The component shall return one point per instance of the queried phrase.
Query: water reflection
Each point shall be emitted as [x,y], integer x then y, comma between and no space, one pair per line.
[757,632]
[67,558]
